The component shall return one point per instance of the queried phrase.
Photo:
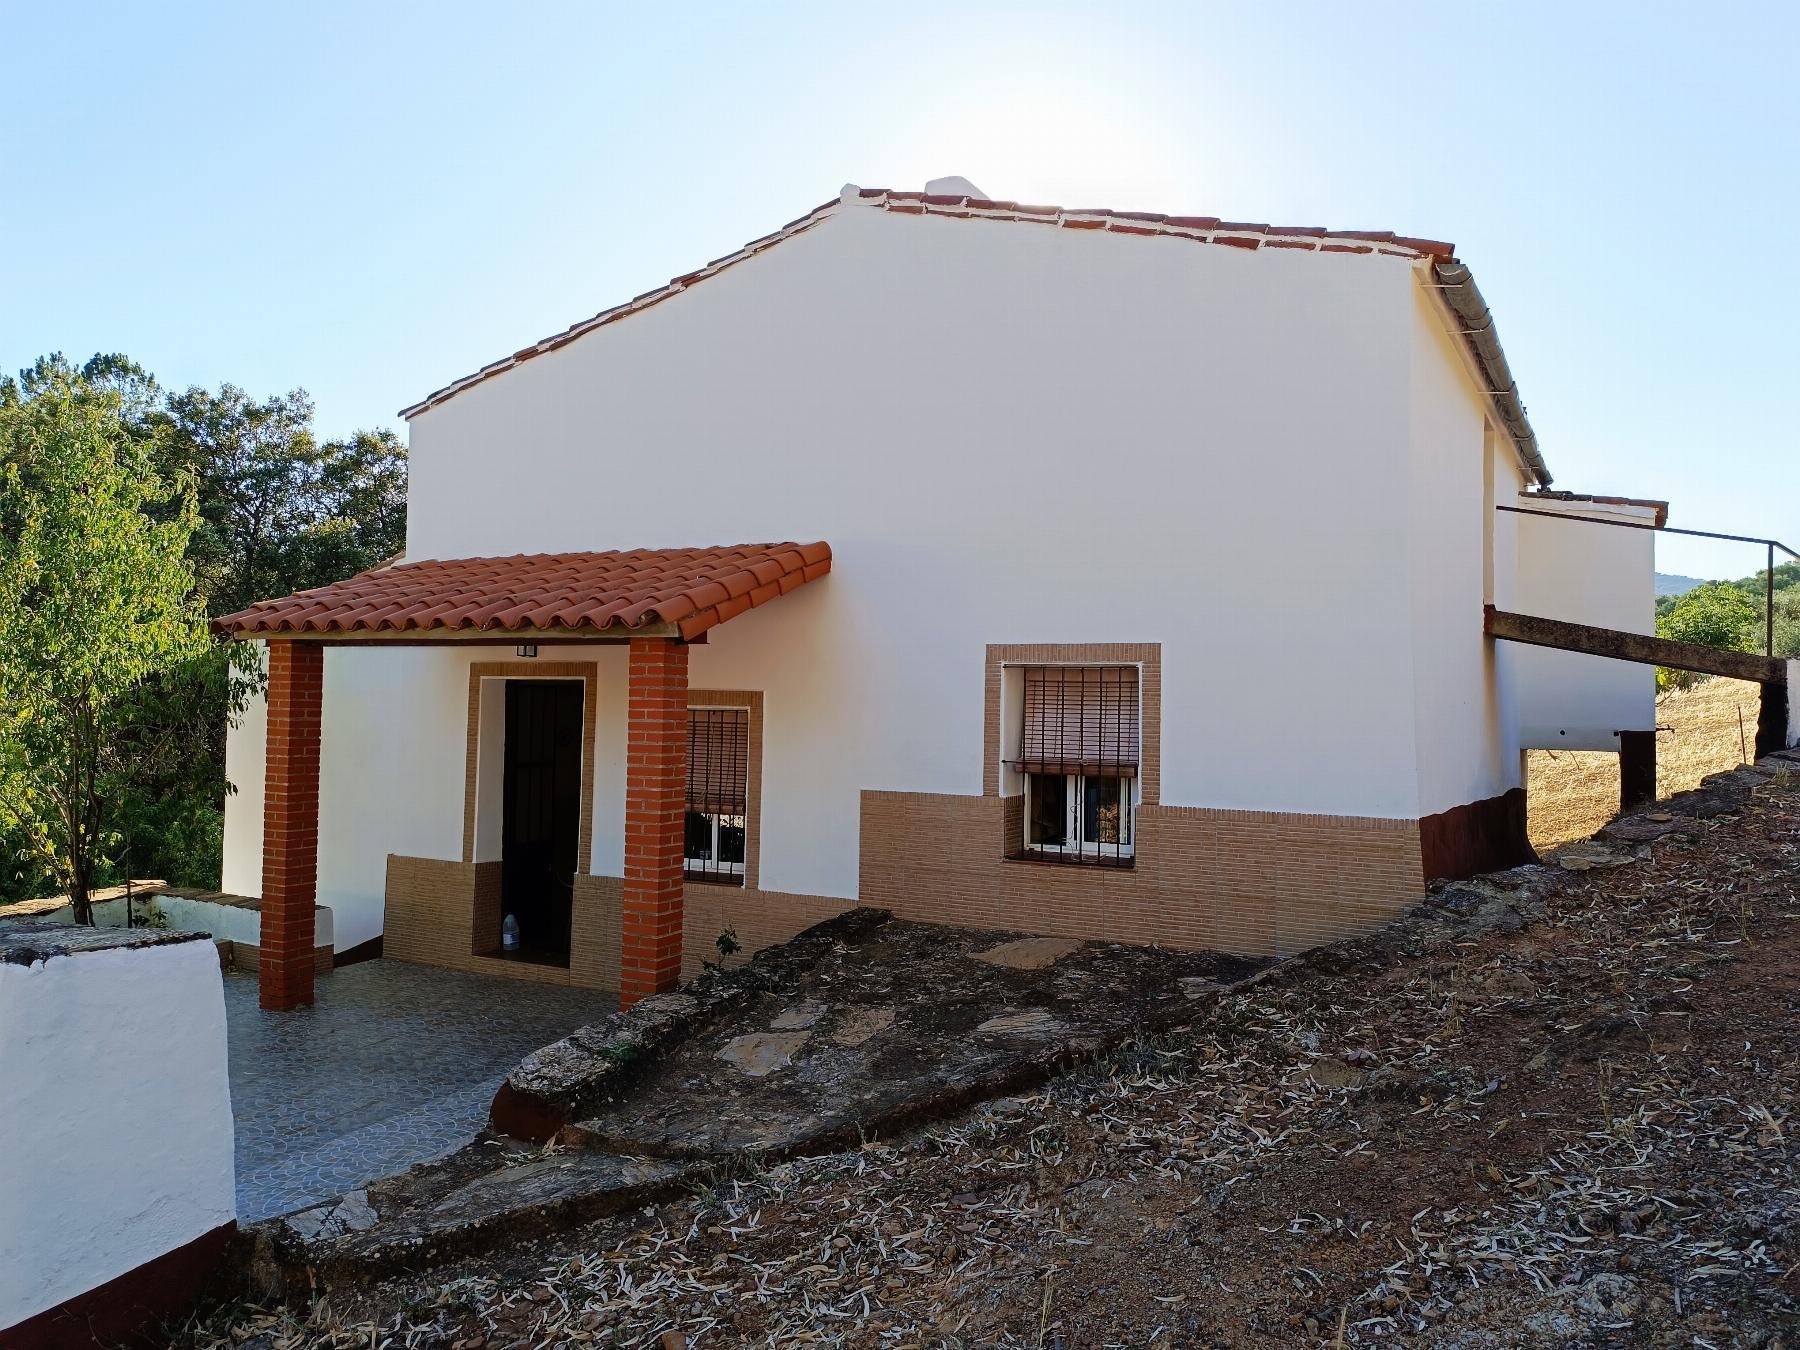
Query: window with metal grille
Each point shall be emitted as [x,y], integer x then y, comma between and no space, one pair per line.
[1078,752]
[718,788]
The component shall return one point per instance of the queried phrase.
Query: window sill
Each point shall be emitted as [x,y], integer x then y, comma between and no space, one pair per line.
[1124,864]
[714,878]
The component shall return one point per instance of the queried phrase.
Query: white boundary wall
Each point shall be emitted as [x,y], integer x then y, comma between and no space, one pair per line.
[188,914]
[115,1115]
[1271,463]
[1793,683]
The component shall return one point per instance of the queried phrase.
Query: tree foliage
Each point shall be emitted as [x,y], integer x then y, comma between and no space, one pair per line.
[96,601]
[270,509]
[280,512]
[1717,614]
[1787,623]
[1754,589]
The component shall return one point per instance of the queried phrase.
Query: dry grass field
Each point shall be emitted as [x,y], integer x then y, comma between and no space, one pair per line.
[1572,793]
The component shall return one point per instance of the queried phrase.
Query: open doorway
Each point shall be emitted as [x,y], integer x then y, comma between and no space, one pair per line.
[541,816]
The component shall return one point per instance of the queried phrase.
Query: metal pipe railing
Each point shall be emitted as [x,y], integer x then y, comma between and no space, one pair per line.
[1770,544]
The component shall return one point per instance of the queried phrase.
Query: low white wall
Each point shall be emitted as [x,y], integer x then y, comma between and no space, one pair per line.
[224,923]
[189,914]
[1593,574]
[115,1116]
[1793,736]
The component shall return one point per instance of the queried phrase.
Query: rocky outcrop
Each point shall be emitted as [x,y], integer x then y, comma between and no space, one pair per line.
[592,1066]
[485,1195]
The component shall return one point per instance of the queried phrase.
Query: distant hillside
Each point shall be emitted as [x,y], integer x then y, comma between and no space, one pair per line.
[1667,583]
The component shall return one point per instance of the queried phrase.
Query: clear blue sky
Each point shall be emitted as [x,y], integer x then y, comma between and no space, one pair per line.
[368,201]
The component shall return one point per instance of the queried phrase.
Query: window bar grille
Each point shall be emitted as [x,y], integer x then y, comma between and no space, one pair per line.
[1079,741]
[1118,784]
[716,835]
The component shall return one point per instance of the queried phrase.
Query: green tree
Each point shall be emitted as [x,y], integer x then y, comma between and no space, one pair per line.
[358,515]
[96,602]
[252,462]
[280,512]
[1717,614]
[1787,623]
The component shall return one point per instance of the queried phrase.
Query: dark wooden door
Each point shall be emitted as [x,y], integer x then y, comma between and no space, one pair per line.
[542,819]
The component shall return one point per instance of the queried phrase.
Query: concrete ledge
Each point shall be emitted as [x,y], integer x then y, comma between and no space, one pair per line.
[50,904]
[29,941]
[1793,704]
[107,1029]
[234,921]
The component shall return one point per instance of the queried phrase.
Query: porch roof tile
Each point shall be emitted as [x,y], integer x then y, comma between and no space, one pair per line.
[692,589]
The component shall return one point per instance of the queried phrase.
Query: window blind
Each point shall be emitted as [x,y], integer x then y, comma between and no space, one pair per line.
[718,760]
[1080,719]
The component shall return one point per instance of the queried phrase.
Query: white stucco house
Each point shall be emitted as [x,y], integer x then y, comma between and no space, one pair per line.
[1135,593]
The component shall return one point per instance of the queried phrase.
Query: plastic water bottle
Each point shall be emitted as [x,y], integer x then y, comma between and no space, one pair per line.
[509,933]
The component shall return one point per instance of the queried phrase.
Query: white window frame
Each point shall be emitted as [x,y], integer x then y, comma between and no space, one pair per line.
[1072,825]
[711,866]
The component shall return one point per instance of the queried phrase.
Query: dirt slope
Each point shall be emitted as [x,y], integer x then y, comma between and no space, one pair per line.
[1578,1133]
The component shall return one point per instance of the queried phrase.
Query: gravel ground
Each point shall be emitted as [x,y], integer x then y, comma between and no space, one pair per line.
[1581,1133]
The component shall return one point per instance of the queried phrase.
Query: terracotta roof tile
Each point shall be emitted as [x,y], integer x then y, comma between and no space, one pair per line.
[1661,508]
[577,593]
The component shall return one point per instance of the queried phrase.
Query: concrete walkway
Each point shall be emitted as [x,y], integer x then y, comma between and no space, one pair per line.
[394,1065]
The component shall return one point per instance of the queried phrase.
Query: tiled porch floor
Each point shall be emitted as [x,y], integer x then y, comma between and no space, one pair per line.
[394,1065]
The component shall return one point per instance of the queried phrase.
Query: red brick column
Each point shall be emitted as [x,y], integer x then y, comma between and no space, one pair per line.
[656,753]
[291,824]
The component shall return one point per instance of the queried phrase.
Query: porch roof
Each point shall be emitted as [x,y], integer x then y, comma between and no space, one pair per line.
[637,592]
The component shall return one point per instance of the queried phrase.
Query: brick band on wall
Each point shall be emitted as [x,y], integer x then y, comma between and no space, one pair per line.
[441,912]
[1257,882]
